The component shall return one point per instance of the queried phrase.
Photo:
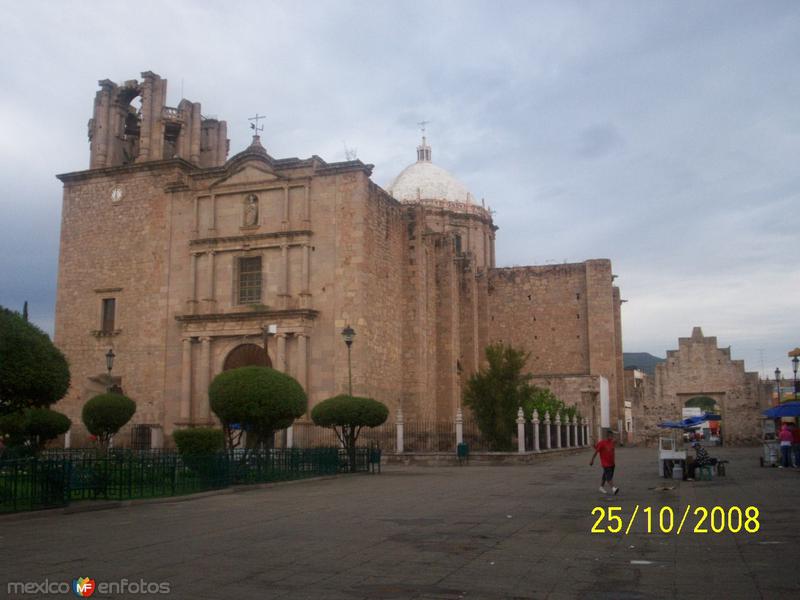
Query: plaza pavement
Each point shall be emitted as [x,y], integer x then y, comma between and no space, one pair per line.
[426,532]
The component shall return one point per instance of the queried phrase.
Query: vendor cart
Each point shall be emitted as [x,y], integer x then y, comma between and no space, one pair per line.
[771,446]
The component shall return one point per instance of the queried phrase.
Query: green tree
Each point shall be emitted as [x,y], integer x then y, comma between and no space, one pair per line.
[105,414]
[347,415]
[33,372]
[28,431]
[545,401]
[496,392]
[199,441]
[259,400]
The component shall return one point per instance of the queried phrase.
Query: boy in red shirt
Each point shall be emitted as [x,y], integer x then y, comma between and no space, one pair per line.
[605,448]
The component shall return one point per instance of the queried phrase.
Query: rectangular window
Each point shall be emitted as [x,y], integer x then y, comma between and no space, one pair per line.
[250,280]
[109,308]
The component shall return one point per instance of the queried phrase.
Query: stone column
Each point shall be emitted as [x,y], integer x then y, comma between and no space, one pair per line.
[192,308]
[547,429]
[520,431]
[587,440]
[285,223]
[290,437]
[535,422]
[205,375]
[186,380]
[68,439]
[212,218]
[307,205]
[558,429]
[194,147]
[280,353]
[285,275]
[302,360]
[399,424]
[459,426]
[196,227]
[574,428]
[211,276]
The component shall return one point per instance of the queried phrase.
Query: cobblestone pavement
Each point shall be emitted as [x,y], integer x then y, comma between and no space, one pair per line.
[447,533]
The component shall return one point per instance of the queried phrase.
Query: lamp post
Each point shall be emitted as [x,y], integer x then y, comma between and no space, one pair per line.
[795,360]
[109,365]
[348,334]
[778,383]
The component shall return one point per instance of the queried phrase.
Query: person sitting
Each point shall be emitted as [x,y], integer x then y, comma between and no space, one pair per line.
[702,459]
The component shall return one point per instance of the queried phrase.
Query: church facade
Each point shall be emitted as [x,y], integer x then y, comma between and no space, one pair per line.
[186,262]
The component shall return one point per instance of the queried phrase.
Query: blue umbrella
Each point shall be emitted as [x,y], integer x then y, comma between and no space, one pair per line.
[690,422]
[786,409]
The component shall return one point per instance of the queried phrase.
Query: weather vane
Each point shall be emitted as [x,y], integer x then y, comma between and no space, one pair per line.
[422,125]
[254,126]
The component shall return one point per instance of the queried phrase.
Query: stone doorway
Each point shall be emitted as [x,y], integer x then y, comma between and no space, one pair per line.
[704,403]
[246,355]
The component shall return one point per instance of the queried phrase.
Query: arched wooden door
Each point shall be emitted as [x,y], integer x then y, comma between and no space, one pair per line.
[246,355]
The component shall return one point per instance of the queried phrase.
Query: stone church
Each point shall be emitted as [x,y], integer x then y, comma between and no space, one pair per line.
[187,262]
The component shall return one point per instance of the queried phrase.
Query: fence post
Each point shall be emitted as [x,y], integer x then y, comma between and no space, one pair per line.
[535,421]
[459,427]
[558,429]
[520,431]
[547,429]
[399,423]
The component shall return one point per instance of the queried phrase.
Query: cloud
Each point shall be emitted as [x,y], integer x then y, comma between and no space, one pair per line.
[661,136]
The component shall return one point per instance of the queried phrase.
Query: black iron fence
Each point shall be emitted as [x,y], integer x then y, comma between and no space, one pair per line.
[57,478]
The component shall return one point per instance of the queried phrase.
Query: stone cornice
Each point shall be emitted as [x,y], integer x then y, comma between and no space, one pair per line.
[254,315]
[250,237]
[151,165]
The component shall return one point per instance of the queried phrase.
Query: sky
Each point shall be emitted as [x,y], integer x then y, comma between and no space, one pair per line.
[662,135]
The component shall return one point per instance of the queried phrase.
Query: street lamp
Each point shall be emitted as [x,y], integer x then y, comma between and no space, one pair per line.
[348,334]
[778,383]
[795,360]
[109,365]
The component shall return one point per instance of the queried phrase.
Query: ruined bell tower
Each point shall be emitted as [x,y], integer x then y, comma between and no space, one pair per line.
[131,123]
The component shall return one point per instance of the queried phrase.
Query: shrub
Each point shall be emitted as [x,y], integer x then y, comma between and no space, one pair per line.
[43,425]
[33,428]
[347,415]
[496,392]
[259,400]
[33,372]
[105,414]
[199,441]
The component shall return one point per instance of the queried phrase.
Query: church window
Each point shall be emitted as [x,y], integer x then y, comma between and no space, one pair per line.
[249,280]
[109,309]
[458,244]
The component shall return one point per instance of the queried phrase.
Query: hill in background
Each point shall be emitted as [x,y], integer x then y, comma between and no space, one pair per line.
[644,361]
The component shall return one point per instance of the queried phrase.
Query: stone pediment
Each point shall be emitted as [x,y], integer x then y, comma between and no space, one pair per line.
[249,174]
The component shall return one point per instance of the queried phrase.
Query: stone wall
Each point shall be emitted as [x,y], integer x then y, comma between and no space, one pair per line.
[700,368]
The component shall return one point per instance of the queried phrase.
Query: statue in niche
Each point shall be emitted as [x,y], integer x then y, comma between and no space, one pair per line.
[251,210]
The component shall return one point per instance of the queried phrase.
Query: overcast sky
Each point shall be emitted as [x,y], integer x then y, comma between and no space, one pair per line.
[662,135]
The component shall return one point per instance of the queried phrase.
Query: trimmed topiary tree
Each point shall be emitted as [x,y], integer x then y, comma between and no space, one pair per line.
[105,414]
[199,441]
[27,432]
[33,372]
[259,400]
[347,415]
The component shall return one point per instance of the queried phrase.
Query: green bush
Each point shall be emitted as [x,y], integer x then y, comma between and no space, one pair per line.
[260,400]
[33,372]
[33,428]
[496,392]
[44,425]
[105,414]
[347,415]
[199,441]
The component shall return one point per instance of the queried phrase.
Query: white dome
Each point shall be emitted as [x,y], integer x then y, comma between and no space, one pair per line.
[423,180]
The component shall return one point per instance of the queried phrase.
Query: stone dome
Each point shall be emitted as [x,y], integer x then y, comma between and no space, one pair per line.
[423,180]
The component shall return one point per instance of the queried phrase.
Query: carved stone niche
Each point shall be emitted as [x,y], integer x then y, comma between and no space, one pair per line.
[250,211]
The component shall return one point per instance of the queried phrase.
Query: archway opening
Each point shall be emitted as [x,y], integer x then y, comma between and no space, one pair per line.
[246,355]
[709,431]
